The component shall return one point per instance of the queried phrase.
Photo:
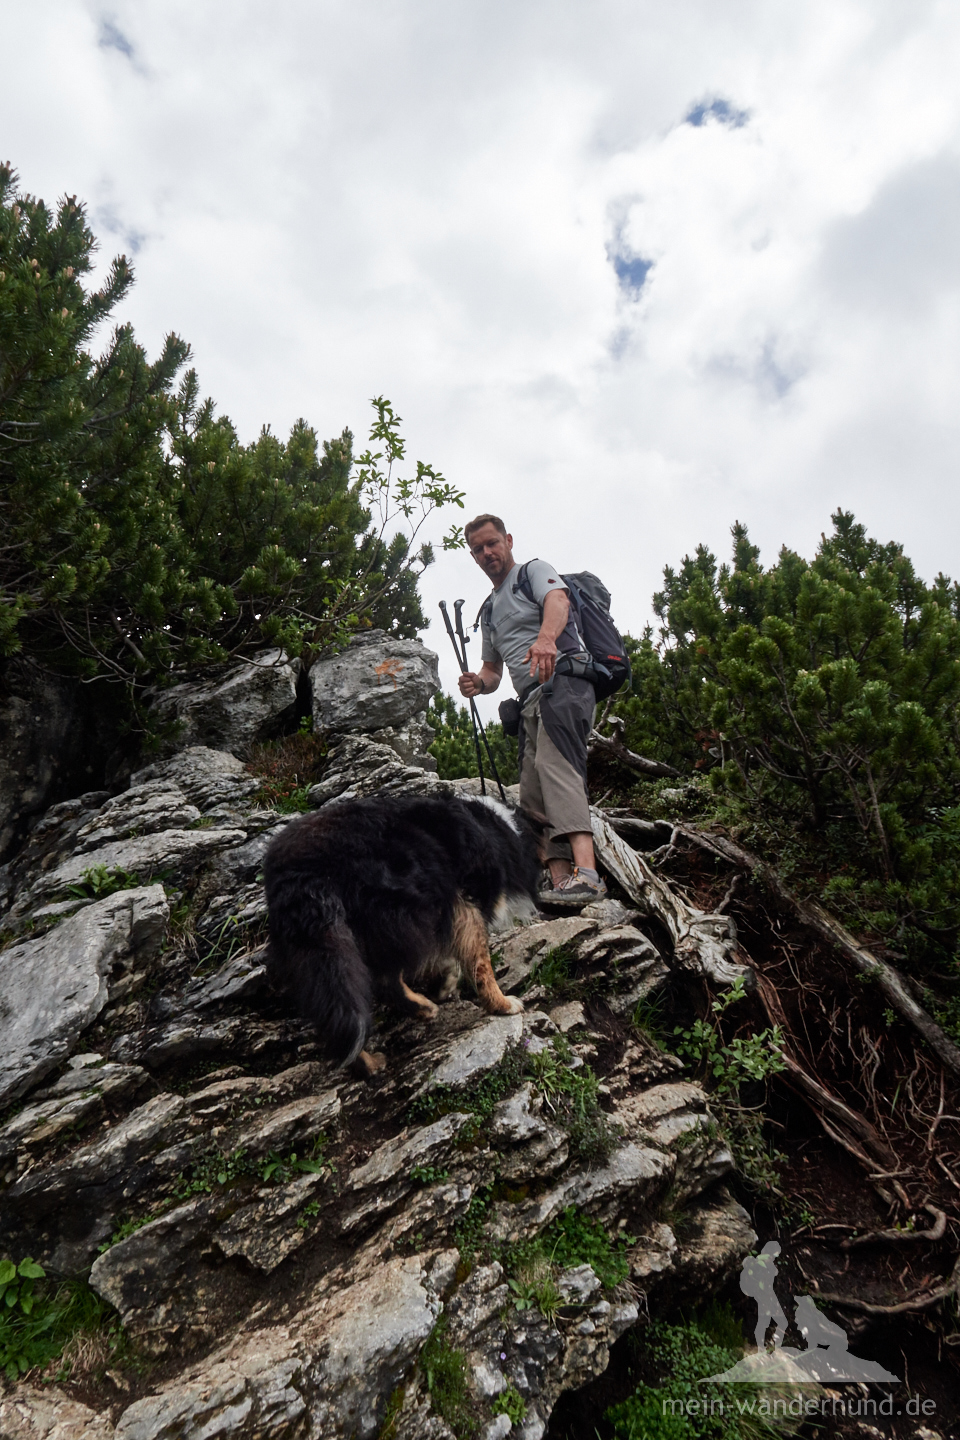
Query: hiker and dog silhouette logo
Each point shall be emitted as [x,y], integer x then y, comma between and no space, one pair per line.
[826,1359]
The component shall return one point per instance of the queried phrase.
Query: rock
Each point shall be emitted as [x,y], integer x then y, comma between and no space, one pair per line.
[410,741]
[173,851]
[426,1144]
[675,1116]
[633,1170]
[209,778]
[244,703]
[653,1255]
[519,954]
[716,1236]
[142,810]
[569,1016]
[74,1099]
[315,1290]
[609,912]
[50,1414]
[51,989]
[479,1050]
[376,683]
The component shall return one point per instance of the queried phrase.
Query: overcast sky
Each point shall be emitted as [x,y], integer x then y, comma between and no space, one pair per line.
[629,271]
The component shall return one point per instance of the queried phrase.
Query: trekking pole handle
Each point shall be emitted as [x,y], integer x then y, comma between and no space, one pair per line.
[461,659]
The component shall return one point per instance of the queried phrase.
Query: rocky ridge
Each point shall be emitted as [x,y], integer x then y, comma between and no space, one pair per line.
[280,1240]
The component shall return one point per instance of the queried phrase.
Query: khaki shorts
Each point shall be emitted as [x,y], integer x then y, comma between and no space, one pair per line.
[552,792]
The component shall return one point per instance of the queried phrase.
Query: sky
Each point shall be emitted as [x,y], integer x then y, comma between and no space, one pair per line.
[629,271]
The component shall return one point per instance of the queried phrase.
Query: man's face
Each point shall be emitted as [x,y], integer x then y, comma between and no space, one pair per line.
[492,551]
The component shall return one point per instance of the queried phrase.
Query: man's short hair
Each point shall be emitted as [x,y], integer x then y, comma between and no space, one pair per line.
[479,523]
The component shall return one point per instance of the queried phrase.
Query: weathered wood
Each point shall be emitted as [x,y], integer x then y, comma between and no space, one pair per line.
[610,745]
[702,943]
[889,981]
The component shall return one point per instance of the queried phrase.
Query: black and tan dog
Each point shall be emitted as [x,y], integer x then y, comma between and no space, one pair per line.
[370,898]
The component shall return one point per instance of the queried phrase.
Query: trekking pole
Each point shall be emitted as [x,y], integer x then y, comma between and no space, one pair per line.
[464,641]
[462,662]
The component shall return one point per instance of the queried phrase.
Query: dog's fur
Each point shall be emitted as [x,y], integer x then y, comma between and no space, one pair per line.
[377,895]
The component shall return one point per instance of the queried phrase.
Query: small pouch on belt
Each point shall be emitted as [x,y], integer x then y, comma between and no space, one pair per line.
[510,716]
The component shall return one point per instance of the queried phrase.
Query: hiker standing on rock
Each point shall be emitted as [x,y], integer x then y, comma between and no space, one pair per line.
[527,623]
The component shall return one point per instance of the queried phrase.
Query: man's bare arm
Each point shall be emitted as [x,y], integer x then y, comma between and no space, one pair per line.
[484,682]
[542,654]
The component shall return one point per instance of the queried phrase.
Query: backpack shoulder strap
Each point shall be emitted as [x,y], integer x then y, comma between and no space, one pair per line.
[522,586]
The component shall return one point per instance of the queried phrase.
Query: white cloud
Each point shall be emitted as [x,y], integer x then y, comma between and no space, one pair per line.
[429,201]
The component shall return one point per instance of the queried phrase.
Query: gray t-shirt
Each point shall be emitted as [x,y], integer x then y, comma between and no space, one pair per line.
[511,624]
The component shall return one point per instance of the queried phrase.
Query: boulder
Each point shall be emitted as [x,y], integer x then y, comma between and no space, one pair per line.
[51,989]
[410,741]
[242,704]
[376,683]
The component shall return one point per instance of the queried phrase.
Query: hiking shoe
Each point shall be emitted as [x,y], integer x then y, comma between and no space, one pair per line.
[576,889]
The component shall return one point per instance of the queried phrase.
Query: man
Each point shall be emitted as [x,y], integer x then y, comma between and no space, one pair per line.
[538,640]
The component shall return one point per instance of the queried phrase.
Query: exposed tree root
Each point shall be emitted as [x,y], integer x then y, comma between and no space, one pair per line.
[901,1237]
[702,943]
[809,913]
[920,1301]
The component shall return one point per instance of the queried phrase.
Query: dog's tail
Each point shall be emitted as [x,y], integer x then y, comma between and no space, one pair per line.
[314,957]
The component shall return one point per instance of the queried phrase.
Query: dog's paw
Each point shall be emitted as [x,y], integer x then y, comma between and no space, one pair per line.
[366,1065]
[514,1005]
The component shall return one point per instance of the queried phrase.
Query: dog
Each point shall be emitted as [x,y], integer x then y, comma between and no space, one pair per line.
[375,896]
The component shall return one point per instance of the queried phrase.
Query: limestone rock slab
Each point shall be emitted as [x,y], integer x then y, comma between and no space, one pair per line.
[376,683]
[208,777]
[51,989]
[245,703]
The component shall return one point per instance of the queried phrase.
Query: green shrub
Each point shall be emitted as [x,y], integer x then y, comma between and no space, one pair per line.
[679,1358]
[36,1322]
[454,748]
[819,699]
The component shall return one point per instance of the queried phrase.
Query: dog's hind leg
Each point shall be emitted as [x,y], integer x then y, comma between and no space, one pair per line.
[410,1002]
[472,949]
[365,1066]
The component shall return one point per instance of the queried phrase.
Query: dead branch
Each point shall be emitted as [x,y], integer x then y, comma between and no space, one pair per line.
[613,745]
[702,943]
[913,1303]
[809,913]
[901,1237]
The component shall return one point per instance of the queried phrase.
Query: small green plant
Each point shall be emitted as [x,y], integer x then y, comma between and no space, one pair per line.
[532,1282]
[127,1228]
[36,1323]
[308,1214]
[428,1174]
[306,725]
[468,1231]
[445,1372]
[17,1282]
[278,1170]
[574,1239]
[392,1414]
[553,971]
[571,1092]
[97,881]
[510,1403]
[675,1403]
[728,1066]
[479,1100]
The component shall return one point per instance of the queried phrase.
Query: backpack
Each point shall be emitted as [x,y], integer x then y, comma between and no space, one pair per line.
[609,665]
